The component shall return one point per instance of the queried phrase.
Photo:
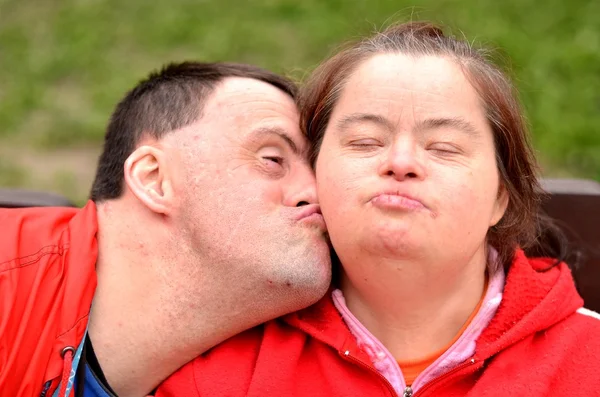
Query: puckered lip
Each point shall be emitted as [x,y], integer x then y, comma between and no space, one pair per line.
[307,211]
[397,198]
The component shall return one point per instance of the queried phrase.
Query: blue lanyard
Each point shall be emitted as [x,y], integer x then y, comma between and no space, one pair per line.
[74,366]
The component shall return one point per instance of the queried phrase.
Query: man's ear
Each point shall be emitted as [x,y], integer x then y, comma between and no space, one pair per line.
[147,176]
[501,205]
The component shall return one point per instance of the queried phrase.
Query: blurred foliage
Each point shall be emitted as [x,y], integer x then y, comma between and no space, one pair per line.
[65,64]
[11,175]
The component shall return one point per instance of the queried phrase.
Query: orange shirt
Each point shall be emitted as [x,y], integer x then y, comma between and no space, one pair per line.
[412,368]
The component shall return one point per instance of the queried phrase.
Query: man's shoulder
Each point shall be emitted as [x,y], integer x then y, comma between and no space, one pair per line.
[252,339]
[230,365]
[47,286]
[245,348]
[26,232]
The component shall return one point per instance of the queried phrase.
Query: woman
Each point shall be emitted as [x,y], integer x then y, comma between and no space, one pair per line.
[427,184]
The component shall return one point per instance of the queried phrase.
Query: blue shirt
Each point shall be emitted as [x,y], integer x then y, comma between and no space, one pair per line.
[92,386]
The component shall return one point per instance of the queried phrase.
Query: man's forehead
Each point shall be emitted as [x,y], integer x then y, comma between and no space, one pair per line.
[248,105]
[240,91]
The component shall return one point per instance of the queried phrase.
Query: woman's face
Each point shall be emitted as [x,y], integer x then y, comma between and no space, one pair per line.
[407,165]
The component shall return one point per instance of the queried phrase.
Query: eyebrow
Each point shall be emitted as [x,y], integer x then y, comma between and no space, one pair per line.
[357,118]
[453,122]
[281,133]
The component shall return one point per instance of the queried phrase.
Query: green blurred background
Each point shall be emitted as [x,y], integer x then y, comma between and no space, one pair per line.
[65,64]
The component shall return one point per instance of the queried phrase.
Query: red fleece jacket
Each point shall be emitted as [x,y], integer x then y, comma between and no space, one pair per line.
[47,282]
[537,344]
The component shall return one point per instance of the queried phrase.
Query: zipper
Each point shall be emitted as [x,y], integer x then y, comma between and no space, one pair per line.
[346,355]
[46,388]
[448,374]
[408,392]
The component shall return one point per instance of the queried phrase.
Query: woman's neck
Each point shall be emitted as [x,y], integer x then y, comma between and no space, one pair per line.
[412,311]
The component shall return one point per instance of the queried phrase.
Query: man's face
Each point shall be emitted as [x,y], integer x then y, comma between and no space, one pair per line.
[247,194]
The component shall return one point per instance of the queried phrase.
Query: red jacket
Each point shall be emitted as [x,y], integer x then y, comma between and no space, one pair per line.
[537,344]
[47,281]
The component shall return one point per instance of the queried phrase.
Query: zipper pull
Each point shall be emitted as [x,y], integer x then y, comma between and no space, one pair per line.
[46,388]
[407,392]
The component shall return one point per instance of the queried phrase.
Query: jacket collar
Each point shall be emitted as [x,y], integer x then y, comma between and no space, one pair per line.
[536,296]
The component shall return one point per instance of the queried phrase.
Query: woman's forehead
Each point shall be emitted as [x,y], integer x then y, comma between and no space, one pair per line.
[401,86]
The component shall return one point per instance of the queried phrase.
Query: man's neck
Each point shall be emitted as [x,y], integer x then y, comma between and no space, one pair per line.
[411,314]
[143,331]
[145,324]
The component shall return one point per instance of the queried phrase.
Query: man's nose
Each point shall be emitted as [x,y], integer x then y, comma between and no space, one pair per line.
[302,188]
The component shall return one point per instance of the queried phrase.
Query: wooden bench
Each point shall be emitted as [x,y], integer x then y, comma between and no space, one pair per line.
[575,205]
[18,198]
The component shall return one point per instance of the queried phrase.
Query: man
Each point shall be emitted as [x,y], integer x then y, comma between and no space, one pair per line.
[203,222]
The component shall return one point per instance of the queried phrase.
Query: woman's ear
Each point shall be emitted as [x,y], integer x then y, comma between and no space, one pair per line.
[502,199]
[147,176]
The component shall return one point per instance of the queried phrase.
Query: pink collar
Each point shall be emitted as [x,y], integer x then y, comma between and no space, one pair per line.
[458,353]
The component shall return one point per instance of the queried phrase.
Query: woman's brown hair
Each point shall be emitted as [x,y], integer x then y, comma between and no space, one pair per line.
[523,224]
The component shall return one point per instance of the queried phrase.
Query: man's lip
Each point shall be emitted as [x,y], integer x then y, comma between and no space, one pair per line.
[307,211]
[311,215]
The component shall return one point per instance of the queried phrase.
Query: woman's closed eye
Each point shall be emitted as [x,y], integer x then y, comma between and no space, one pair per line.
[365,143]
[444,148]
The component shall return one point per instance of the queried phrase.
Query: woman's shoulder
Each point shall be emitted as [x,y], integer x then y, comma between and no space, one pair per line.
[586,320]
[577,335]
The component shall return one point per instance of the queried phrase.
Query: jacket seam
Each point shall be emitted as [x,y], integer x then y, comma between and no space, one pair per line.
[195,379]
[32,259]
[74,325]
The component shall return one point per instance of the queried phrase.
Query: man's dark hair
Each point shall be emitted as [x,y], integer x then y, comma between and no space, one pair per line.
[165,101]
